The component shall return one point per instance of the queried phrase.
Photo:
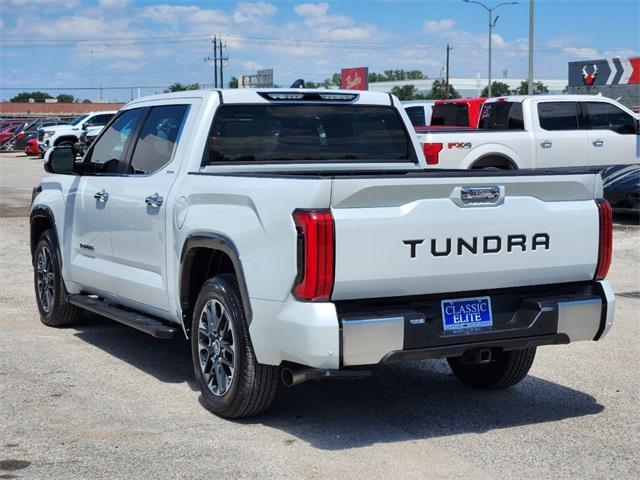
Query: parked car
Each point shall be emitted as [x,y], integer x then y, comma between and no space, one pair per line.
[8,133]
[69,135]
[19,141]
[419,112]
[622,188]
[31,148]
[542,131]
[299,234]
[458,113]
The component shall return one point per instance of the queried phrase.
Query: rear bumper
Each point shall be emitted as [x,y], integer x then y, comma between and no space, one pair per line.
[379,333]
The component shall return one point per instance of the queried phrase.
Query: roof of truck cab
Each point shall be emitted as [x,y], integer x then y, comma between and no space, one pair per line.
[251,95]
[557,98]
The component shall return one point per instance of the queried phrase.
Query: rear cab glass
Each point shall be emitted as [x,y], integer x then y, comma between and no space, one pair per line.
[299,133]
[450,115]
[501,116]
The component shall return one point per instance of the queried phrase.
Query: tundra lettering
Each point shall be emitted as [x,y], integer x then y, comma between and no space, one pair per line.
[490,244]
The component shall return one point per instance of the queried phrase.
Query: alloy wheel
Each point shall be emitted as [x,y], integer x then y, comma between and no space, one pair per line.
[216,347]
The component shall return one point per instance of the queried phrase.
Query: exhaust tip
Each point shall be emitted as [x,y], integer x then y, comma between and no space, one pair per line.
[287,377]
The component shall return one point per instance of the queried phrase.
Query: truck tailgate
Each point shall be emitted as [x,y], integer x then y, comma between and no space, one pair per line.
[416,235]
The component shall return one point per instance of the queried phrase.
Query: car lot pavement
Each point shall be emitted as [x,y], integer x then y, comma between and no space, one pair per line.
[106,401]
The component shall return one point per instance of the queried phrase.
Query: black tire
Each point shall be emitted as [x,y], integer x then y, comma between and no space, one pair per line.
[505,369]
[249,388]
[68,143]
[51,295]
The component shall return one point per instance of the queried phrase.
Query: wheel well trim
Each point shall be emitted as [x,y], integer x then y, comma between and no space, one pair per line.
[501,156]
[219,242]
[43,211]
[64,138]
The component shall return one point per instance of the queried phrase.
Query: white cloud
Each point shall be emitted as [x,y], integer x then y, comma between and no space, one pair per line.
[581,52]
[75,26]
[253,11]
[113,4]
[311,9]
[188,14]
[250,65]
[437,26]
[58,4]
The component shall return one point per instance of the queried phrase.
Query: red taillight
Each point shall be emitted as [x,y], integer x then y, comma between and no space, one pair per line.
[606,239]
[432,152]
[315,255]
[20,135]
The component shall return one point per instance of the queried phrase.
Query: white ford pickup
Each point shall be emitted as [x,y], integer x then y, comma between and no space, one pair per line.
[545,131]
[298,235]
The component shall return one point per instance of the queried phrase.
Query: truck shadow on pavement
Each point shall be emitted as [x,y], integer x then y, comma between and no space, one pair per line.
[417,400]
[167,360]
[401,402]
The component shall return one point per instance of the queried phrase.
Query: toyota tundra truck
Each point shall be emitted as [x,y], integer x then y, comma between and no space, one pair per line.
[295,235]
[542,131]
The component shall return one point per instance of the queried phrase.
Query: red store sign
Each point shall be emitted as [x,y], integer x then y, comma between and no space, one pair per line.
[355,78]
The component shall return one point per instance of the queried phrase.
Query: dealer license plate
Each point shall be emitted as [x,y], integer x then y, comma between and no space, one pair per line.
[466,313]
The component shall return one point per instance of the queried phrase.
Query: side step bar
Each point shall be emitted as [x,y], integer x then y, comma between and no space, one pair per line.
[138,321]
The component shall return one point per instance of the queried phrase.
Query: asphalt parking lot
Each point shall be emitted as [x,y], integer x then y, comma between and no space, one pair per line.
[106,401]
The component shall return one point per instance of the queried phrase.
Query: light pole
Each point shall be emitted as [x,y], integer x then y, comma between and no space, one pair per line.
[492,24]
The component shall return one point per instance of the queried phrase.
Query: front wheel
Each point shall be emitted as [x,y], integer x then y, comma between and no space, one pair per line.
[51,296]
[502,371]
[232,382]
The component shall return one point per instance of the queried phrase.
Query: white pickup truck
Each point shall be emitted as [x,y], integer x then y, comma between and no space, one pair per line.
[69,135]
[296,235]
[545,131]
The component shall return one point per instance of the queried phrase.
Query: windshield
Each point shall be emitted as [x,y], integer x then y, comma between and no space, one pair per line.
[295,132]
[78,120]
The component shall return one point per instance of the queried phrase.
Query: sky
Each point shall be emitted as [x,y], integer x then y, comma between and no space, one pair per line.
[74,44]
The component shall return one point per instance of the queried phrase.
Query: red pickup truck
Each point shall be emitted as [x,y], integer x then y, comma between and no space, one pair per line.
[459,113]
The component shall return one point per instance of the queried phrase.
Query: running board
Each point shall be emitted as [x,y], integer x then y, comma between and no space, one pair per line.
[138,321]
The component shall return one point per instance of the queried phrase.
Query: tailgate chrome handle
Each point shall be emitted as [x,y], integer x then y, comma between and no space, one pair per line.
[154,200]
[598,143]
[101,196]
[546,144]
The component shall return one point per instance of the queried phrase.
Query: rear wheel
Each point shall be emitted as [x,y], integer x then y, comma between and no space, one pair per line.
[232,382]
[51,296]
[502,371]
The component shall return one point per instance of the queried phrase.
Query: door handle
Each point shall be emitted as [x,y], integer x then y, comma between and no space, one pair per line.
[154,200]
[546,144]
[101,196]
[598,143]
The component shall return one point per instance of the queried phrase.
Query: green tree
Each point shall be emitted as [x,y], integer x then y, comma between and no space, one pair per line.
[86,100]
[538,88]
[498,89]
[439,90]
[65,98]
[336,79]
[39,97]
[407,92]
[233,82]
[179,87]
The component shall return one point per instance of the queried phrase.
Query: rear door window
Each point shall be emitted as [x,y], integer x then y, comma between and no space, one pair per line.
[416,115]
[307,133]
[604,116]
[502,116]
[559,115]
[157,140]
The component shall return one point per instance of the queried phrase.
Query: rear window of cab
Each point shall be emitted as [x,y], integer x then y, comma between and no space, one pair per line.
[295,133]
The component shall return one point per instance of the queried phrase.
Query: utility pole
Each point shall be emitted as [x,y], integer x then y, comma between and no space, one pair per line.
[446,94]
[218,62]
[492,24]
[530,76]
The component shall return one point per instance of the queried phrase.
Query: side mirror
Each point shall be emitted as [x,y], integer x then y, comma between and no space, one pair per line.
[60,160]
